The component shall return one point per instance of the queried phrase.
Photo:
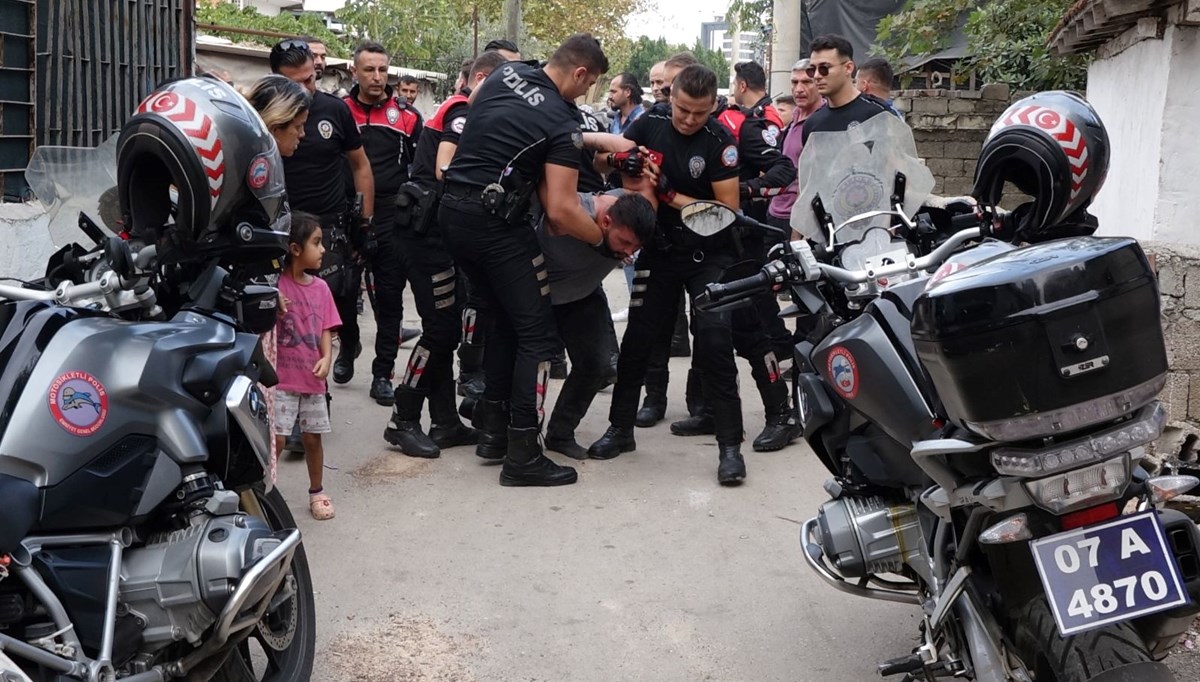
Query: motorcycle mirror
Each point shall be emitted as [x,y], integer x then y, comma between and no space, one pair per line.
[707,218]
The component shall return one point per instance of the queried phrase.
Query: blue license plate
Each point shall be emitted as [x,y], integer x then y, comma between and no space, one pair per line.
[1109,572]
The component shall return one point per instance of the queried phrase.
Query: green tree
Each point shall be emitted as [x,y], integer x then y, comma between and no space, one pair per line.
[228,14]
[1006,39]
[647,52]
[713,59]
[416,33]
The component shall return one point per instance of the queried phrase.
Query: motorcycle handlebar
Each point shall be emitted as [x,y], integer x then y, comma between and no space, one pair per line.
[718,291]
[935,257]
[68,293]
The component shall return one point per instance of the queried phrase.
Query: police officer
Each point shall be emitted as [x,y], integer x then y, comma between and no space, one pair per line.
[759,335]
[434,279]
[389,130]
[522,137]
[316,183]
[699,161]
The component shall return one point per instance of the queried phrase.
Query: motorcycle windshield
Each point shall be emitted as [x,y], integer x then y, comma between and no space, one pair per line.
[68,180]
[853,172]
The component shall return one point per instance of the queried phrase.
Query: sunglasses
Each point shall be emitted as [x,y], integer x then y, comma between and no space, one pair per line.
[822,69]
[288,45]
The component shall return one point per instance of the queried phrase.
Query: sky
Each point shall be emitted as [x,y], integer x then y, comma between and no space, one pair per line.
[676,20]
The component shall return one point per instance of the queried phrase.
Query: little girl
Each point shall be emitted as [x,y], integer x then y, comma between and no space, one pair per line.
[305,339]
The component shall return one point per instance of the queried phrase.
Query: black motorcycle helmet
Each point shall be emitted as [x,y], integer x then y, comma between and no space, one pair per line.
[1053,147]
[197,166]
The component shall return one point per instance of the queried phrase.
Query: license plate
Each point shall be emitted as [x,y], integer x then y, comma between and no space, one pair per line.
[1108,573]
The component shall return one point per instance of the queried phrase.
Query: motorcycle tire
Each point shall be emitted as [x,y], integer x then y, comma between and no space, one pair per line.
[1113,652]
[283,645]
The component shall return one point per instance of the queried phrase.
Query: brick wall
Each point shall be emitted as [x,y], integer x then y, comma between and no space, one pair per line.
[949,127]
[1178,269]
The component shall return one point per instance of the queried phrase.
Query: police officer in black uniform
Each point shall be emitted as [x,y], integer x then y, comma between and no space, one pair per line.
[435,285]
[389,129]
[759,334]
[699,161]
[522,138]
[316,183]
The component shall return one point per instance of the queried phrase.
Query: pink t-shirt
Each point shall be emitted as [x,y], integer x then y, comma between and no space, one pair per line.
[310,312]
[781,205]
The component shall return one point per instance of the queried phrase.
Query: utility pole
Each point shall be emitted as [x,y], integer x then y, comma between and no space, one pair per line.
[475,23]
[785,44]
[512,13]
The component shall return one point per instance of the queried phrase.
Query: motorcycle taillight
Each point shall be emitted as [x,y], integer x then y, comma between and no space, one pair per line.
[1086,517]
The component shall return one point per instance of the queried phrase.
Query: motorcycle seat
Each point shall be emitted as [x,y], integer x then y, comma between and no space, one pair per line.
[18,512]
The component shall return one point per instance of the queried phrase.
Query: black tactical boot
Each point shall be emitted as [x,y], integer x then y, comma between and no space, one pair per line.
[404,429]
[446,430]
[700,423]
[732,469]
[491,420]
[382,391]
[526,465]
[680,348]
[654,407]
[566,446]
[781,428]
[343,367]
[779,432]
[616,439]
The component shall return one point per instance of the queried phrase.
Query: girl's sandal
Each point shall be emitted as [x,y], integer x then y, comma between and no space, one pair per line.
[321,507]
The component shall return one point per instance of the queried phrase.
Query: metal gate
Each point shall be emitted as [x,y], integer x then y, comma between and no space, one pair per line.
[72,71]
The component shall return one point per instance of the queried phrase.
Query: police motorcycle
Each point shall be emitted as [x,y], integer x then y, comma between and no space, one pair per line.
[141,537]
[981,387]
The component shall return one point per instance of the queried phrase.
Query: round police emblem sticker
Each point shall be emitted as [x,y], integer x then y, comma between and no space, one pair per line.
[577,139]
[696,166]
[259,173]
[326,129]
[843,371]
[729,156]
[457,124]
[770,135]
[393,115]
[79,403]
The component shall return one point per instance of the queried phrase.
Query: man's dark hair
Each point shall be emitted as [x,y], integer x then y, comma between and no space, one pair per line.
[833,41]
[630,82]
[752,74]
[697,81]
[370,46]
[785,99]
[464,71]
[878,69]
[632,210]
[487,62]
[292,53]
[311,39]
[409,79]
[501,44]
[580,49]
[681,60]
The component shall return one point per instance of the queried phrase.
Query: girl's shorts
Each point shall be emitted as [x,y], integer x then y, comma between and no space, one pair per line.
[311,409]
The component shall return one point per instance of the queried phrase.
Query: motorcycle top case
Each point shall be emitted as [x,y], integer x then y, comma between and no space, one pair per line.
[1044,339]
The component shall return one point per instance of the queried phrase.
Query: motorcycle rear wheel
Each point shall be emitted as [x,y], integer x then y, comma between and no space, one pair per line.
[283,645]
[1112,652]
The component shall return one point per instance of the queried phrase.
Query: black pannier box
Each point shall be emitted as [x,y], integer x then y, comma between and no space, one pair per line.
[1045,339]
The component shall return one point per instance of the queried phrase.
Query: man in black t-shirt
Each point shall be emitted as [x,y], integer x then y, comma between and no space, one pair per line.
[699,160]
[316,184]
[436,288]
[522,137]
[832,67]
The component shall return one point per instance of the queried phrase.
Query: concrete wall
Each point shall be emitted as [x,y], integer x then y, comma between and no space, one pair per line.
[1178,267]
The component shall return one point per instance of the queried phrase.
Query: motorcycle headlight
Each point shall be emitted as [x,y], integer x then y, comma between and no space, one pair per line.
[1081,488]
[1147,426]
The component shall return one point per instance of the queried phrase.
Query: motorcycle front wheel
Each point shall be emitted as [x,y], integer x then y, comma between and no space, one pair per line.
[281,648]
[1113,652]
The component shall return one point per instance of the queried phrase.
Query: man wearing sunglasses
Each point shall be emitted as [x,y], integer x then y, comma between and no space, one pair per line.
[831,66]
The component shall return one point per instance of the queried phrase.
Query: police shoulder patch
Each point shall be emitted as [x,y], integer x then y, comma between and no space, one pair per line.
[577,139]
[770,135]
[729,157]
[457,124]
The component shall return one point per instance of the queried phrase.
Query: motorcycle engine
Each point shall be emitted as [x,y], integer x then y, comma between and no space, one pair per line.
[866,535]
[179,581]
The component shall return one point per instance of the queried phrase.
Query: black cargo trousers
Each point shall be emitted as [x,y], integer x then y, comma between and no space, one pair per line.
[586,328]
[508,271]
[659,277]
[429,372]
[388,275]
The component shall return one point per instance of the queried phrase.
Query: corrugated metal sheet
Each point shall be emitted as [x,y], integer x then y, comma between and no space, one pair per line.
[94,61]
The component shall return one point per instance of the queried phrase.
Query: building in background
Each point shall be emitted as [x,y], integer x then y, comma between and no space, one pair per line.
[715,35]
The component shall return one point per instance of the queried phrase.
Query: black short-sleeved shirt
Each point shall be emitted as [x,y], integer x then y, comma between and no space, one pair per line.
[691,163]
[589,179]
[447,124]
[315,176]
[829,119]
[518,119]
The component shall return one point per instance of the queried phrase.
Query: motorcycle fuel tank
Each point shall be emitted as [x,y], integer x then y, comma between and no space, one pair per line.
[862,364]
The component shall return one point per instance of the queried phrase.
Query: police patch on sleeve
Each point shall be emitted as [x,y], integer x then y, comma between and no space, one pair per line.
[457,124]
[577,139]
[326,129]
[729,156]
[770,135]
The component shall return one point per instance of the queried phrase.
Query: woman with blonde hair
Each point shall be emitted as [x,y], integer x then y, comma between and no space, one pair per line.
[283,106]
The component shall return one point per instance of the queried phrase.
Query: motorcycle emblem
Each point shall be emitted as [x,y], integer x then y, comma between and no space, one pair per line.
[696,166]
[259,174]
[79,403]
[843,372]
[326,129]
